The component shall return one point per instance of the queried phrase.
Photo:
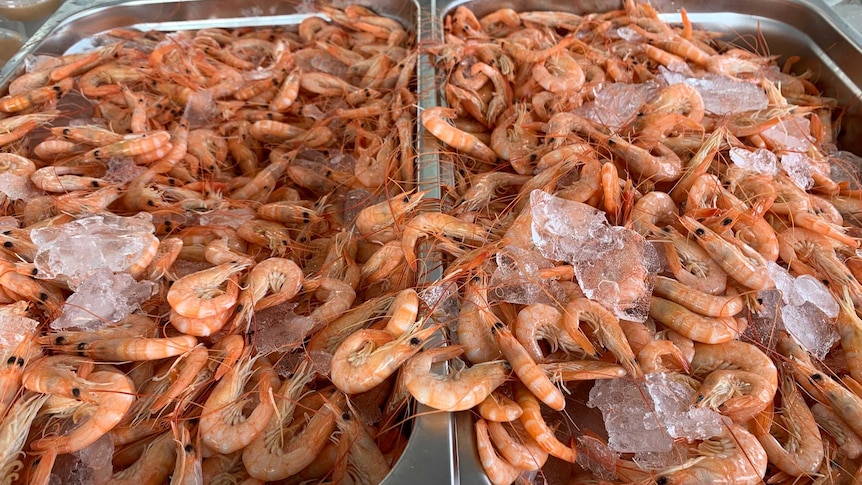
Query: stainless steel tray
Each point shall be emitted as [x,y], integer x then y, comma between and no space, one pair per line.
[828,46]
[428,457]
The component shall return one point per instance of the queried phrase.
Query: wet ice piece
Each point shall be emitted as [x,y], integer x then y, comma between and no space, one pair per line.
[75,250]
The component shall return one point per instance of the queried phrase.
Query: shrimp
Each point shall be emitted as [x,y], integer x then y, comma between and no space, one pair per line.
[402,312]
[559,73]
[655,209]
[848,441]
[606,328]
[498,407]
[734,456]
[650,357]
[56,375]
[520,450]
[114,395]
[460,389]
[223,426]
[497,469]
[803,451]
[436,223]
[679,98]
[38,96]
[539,321]
[733,355]
[281,276]
[529,373]
[535,426]
[475,321]
[433,119]
[14,428]
[737,394]
[657,163]
[378,223]
[68,178]
[200,295]
[153,466]
[692,325]
[692,265]
[15,359]
[485,187]
[744,264]
[697,301]
[133,349]
[337,297]
[188,467]
[367,357]
[190,365]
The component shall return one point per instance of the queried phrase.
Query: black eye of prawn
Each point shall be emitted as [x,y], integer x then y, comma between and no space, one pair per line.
[662,481]
[816,377]
[699,232]
[415,341]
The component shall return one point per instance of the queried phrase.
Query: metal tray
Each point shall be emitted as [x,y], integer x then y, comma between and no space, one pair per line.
[428,456]
[828,46]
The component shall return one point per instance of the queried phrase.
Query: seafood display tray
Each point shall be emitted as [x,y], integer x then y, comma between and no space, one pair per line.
[428,456]
[828,47]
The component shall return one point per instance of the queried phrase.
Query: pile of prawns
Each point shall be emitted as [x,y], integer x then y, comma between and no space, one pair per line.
[512,82]
[227,141]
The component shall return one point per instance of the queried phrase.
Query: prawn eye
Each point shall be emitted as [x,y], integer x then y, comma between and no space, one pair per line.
[406,199]
[345,416]
[662,481]
[415,341]
[726,222]
[43,296]
[7,244]
[699,231]
[10,360]
[189,448]
[76,392]
[816,377]
[82,346]
[699,398]
[60,340]
[20,362]
[498,325]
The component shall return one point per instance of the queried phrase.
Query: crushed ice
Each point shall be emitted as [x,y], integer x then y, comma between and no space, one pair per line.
[103,298]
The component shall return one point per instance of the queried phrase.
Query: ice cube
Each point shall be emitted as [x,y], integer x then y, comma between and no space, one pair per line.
[74,250]
[232,218]
[516,278]
[18,187]
[764,323]
[122,170]
[759,160]
[648,417]
[14,328]
[279,329]
[811,327]
[798,167]
[561,227]
[791,133]
[101,299]
[785,283]
[597,457]
[723,95]
[615,104]
[811,290]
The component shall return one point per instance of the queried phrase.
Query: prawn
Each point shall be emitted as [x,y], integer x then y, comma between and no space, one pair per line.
[367,357]
[114,394]
[698,301]
[497,469]
[436,223]
[697,327]
[460,389]
[200,295]
[282,276]
[433,119]
[536,427]
[529,373]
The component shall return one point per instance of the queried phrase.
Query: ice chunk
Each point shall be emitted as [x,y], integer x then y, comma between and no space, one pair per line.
[597,457]
[13,329]
[630,35]
[74,250]
[617,272]
[101,299]
[613,264]
[798,167]
[791,133]
[660,460]
[764,323]
[232,218]
[811,290]
[784,282]
[723,95]
[648,417]
[18,187]
[442,299]
[122,170]
[615,104]
[516,278]
[759,160]
[279,329]
[561,227]
[356,200]
[846,167]
[811,327]
[88,466]
[320,362]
